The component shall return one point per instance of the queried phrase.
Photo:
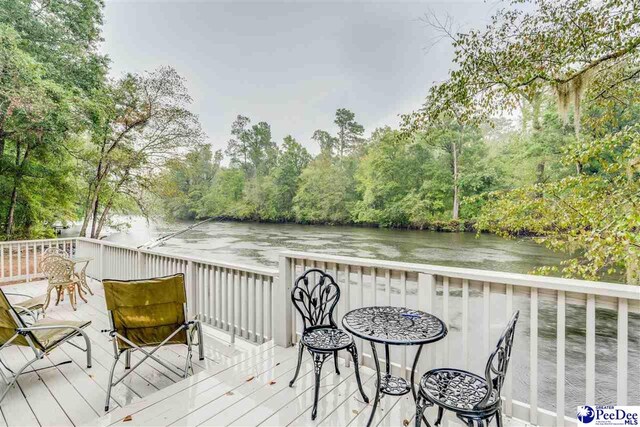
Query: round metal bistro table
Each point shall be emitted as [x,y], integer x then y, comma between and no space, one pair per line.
[393,326]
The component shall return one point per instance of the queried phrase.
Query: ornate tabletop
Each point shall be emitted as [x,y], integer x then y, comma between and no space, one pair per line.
[394,325]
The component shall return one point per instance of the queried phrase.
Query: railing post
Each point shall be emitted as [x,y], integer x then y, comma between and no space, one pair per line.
[281,304]
[189,283]
[101,260]
[426,302]
[142,268]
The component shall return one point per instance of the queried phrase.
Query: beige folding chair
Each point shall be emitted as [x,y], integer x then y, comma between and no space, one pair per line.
[42,337]
[29,305]
[149,313]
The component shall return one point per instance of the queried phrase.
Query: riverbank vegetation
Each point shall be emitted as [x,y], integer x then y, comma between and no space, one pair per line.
[536,131]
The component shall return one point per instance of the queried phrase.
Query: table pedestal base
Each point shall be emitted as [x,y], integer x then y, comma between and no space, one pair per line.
[394,386]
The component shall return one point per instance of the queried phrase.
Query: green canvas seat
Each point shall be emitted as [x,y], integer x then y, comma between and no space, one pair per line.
[149,313]
[27,304]
[42,336]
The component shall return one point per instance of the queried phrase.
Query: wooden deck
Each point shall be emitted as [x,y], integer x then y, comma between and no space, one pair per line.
[239,385]
[71,394]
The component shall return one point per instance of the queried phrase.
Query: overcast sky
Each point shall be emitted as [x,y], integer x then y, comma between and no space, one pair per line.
[291,64]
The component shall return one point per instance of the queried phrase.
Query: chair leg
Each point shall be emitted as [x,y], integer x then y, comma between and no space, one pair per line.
[420,407]
[79,289]
[15,377]
[127,359]
[110,384]
[47,300]
[335,362]
[72,296]
[60,290]
[200,342]
[499,418]
[318,360]
[300,351]
[354,355]
[440,414]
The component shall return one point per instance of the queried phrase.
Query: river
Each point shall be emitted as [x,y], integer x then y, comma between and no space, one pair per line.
[259,244]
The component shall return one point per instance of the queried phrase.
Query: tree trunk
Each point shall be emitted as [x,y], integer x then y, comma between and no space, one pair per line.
[103,217]
[14,192]
[456,191]
[540,172]
[12,207]
[94,216]
[88,208]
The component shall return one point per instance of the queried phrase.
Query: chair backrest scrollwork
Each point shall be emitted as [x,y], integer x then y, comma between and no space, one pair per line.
[54,251]
[316,299]
[57,269]
[496,368]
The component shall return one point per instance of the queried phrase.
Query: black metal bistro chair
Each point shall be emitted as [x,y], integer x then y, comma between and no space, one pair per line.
[474,399]
[320,335]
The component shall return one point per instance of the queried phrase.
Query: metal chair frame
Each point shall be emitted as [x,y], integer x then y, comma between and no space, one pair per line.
[494,374]
[30,311]
[191,327]
[316,305]
[25,330]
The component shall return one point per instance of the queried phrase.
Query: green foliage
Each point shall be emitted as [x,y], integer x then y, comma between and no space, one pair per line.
[594,217]
[326,192]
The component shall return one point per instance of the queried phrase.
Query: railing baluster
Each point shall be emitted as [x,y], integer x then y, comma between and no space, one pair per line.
[27,261]
[533,358]
[623,343]
[19,260]
[465,323]
[360,285]
[445,318]
[508,380]
[403,302]
[590,351]
[560,353]
[260,310]
[387,277]
[486,315]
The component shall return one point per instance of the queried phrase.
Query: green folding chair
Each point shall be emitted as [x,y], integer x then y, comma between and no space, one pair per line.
[145,315]
[42,336]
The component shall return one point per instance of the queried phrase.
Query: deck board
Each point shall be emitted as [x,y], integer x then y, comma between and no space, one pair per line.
[238,385]
[72,394]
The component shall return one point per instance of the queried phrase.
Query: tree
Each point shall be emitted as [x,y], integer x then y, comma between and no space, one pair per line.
[585,47]
[224,198]
[350,132]
[394,169]
[587,54]
[49,64]
[184,182]
[326,142]
[251,147]
[594,218]
[139,123]
[325,194]
[238,147]
[293,159]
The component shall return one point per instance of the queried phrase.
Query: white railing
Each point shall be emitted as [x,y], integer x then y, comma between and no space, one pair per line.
[577,342]
[556,316]
[20,260]
[231,297]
